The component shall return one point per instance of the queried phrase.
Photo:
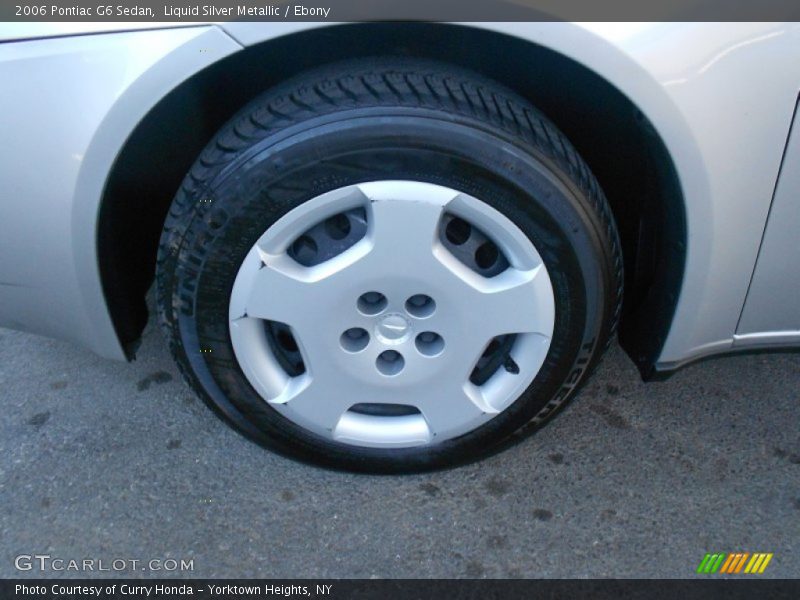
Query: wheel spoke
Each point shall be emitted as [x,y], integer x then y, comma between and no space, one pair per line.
[312,402]
[277,292]
[518,301]
[454,407]
[404,221]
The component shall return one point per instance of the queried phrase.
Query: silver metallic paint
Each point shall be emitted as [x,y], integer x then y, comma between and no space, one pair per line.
[772,311]
[67,107]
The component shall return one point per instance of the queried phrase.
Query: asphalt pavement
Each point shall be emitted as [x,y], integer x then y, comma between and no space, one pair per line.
[108,461]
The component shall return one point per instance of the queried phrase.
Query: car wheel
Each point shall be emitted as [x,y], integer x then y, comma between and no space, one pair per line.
[388,265]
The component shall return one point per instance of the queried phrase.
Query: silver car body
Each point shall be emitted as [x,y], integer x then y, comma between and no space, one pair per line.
[722,97]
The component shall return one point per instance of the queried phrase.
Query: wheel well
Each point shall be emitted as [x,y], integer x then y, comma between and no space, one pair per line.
[613,136]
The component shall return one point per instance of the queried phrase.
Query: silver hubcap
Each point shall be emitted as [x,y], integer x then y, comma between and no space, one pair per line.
[392,314]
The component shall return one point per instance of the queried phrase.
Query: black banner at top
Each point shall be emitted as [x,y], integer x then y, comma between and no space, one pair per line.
[171,11]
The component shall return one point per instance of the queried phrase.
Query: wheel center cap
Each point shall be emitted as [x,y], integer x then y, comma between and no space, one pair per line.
[393,329]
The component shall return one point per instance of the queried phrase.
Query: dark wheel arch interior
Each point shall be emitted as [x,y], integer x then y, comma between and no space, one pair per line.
[623,150]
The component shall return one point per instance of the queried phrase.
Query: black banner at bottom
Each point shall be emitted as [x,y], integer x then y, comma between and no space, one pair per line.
[396,589]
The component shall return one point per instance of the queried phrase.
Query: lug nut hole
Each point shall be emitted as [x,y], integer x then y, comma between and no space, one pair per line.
[354,339]
[420,306]
[429,343]
[390,362]
[372,303]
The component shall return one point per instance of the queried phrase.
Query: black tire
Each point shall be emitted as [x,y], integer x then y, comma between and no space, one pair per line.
[386,119]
